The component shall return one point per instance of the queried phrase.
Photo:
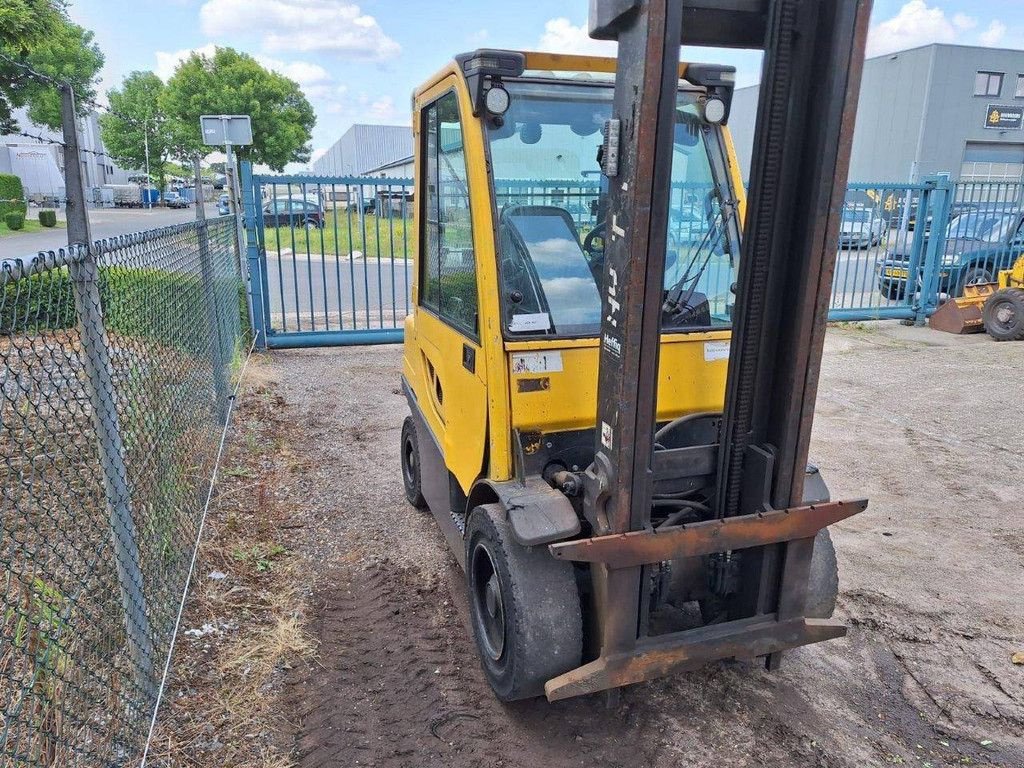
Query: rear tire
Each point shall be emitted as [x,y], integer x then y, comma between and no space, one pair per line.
[524,606]
[1003,315]
[823,582]
[411,464]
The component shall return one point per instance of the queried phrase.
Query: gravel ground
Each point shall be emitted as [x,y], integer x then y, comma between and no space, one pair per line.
[932,581]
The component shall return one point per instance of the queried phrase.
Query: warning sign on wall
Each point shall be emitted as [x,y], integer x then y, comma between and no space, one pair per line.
[1004,117]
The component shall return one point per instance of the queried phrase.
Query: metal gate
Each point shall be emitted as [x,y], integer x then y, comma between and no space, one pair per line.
[328,257]
[888,258]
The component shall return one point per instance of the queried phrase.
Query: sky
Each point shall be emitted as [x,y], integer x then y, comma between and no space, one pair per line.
[359,62]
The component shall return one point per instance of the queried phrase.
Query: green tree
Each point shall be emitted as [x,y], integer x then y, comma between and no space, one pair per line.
[233,83]
[136,118]
[39,33]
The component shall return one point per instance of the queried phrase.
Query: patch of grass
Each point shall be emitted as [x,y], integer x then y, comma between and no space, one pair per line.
[31,225]
[260,556]
[342,234]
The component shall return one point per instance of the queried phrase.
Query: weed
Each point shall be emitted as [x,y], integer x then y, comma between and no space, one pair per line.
[261,556]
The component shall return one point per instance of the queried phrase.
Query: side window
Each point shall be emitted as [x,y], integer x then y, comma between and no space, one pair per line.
[448,264]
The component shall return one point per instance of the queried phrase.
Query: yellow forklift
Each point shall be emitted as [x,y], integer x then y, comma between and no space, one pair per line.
[612,359]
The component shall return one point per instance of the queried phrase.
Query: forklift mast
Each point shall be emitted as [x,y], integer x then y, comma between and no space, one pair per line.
[813,56]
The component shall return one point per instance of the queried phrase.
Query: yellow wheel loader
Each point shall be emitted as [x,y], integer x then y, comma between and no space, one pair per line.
[1003,311]
[612,358]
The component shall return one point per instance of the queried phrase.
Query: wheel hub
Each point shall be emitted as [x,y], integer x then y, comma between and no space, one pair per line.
[490,608]
[1005,314]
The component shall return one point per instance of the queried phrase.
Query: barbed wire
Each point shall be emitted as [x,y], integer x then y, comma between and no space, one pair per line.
[35,74]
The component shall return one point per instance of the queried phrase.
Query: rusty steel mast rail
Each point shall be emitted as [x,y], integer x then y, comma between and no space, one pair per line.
[814,53]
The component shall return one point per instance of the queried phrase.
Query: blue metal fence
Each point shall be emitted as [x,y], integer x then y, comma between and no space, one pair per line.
[330,258]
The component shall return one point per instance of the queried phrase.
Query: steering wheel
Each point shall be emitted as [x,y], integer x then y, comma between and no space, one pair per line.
[597,233]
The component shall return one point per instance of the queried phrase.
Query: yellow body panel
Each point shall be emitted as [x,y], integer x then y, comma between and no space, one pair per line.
[689,382]
[1014,276]
[480,410]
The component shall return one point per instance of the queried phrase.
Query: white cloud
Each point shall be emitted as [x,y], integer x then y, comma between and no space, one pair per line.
[166,62]
[994,34]
[562,36]
[916,23]
[301,25]
[963,21]
[302,72]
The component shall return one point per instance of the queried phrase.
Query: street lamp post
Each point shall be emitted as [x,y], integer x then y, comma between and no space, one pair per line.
[145,141]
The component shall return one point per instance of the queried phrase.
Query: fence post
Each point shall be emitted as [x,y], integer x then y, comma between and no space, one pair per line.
[218,354]
[258,288]
[99,383]
[938,210]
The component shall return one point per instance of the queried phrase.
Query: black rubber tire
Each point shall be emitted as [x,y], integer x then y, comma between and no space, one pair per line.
[893,292]
[410,451]
[1003,315]
[972,275]
[541,627]
[823,582]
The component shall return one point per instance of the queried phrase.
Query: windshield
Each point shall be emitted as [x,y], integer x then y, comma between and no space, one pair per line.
[990,228]
[856,215]
[551,198]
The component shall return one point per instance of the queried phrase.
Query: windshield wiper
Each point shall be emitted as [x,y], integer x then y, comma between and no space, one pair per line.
[678,297]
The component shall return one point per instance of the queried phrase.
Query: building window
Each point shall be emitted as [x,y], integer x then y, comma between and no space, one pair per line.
[988,83]
[1020,87]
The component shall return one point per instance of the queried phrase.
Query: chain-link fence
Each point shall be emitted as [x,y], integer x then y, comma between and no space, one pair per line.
[113,389]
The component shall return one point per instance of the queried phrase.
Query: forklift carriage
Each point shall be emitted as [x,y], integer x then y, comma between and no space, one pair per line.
[612,358]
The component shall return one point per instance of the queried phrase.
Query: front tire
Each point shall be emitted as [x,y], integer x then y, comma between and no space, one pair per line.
[1003,315]
[974,276]
[524,606]
[823,581]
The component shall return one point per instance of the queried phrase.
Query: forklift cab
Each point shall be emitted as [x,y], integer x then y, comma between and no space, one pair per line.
[507,287]
[506,344]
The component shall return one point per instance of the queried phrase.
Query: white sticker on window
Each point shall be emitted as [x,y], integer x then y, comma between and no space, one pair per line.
[537,362]
[537,321]
[716,350]
[606,435]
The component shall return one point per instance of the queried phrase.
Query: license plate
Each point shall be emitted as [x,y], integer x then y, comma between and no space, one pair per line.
[894,272]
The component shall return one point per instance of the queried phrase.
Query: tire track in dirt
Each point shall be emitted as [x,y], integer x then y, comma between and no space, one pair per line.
[397,684]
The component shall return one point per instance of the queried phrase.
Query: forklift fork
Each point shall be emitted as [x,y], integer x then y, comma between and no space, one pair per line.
[814,52]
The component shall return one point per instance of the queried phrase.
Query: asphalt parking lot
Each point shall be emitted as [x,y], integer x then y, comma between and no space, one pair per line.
[104,222]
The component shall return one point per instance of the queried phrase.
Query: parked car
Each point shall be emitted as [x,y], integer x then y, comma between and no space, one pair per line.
[978,244]
[955,209]
[175,200]
[860,227]
[283,212]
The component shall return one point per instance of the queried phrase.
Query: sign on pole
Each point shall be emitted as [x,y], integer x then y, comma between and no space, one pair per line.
[219,130]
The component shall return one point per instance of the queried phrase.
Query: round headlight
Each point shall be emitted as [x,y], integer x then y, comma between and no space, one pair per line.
[497,100]
[714,110]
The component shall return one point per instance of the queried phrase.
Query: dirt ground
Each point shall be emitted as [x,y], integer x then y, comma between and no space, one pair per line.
[932,585]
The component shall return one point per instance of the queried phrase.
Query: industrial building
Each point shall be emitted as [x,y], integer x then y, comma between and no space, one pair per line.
[363,148]
[937,109]
[39,162]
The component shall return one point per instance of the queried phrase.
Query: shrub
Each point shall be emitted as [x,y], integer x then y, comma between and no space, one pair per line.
[12,195]
[14,220]
[48,218]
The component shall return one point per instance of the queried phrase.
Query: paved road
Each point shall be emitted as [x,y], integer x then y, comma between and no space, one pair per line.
[330,293]
[105,222]
[315,293]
